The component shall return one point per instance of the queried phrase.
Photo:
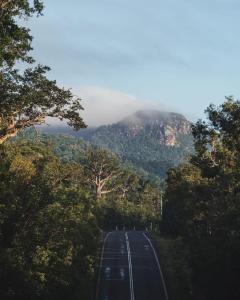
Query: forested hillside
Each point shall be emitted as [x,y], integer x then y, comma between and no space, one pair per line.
[151,141]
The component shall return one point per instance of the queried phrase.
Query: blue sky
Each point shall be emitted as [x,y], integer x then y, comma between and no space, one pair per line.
[174,54]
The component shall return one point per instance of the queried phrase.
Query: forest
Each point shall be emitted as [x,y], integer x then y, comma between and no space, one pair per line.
[59,194]
[202,203]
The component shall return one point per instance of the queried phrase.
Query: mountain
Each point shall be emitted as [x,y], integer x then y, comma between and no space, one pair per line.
[151,141]
[163,127]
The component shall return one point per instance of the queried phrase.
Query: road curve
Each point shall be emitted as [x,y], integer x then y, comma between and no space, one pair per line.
[129,268]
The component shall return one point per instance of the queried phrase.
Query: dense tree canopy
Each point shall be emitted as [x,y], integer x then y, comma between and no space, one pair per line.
[50,221]
[202,201]
[48,233]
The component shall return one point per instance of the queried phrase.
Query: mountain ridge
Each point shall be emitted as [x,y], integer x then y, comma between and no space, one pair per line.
[151,141]
[163,126]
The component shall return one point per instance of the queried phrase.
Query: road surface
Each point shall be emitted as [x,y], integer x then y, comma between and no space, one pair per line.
[129,268]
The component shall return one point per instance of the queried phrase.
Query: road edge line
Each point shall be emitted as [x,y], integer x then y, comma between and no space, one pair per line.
[130,267]
[100,266]
[159,266]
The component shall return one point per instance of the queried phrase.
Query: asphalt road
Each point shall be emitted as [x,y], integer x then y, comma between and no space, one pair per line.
[130,269]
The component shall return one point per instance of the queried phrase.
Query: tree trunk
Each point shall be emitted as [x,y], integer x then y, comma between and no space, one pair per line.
[98,191]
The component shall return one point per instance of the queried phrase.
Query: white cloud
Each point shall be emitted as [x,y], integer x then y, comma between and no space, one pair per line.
[105,106]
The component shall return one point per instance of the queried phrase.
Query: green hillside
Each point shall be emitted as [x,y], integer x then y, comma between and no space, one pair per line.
[153,141]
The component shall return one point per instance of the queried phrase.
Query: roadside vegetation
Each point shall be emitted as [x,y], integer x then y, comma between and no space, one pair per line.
[56,196]
[52,215]
[202,204]
[49,234]
[174,259]
[54,199]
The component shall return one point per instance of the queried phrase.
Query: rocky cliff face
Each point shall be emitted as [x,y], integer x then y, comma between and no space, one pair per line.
[164,128]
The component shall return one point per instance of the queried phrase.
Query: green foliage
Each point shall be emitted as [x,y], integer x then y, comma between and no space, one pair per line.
[174,256]
[50,215]
[136,203]
[143,142]
[48,232]
[16,39]
[202,202]
[102,170]
[124,182]
[54,194]
[28,97]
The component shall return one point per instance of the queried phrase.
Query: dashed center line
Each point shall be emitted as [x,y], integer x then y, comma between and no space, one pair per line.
[130,268]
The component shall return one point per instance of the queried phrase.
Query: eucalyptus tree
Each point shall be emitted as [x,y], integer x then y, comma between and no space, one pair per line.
[27,98]
[102,170]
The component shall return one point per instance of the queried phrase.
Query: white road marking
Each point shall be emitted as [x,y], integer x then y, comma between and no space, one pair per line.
[113,279]
[130,268]
[146,247]
[122,273]
[107,272]
[159,267]
[122,249]
[100,267]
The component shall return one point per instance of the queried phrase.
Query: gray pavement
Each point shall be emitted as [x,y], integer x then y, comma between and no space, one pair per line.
[130,269]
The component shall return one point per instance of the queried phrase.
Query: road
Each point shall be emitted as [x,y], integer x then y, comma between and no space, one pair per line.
[129,268]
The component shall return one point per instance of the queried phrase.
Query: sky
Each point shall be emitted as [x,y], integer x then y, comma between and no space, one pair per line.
[123,55]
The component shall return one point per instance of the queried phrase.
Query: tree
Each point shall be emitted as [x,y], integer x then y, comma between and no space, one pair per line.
[202,202]
[15,40]
[102,169]
[48,233]
[27,98]
[128,184]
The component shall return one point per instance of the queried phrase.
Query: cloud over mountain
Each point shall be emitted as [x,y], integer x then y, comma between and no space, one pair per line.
[106,106]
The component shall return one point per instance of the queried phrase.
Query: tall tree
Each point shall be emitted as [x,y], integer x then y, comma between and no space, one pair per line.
[27,98]
[102,169]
